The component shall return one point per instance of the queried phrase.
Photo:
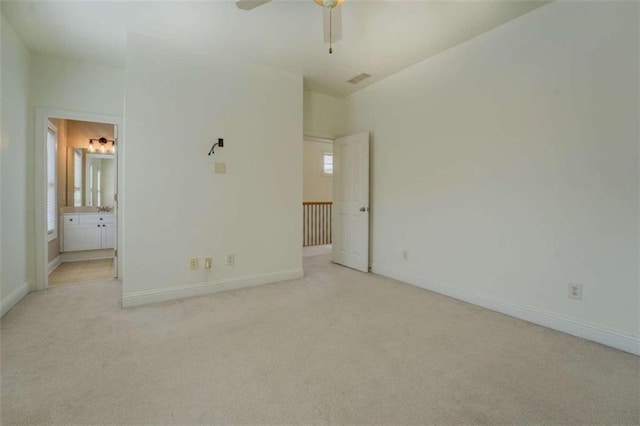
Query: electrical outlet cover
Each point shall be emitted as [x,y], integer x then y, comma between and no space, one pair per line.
[193,263]
[575,291]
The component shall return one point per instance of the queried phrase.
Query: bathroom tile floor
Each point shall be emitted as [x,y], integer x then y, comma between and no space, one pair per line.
[82,272]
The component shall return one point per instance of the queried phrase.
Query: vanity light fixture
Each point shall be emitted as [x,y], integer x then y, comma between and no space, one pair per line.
[103,146]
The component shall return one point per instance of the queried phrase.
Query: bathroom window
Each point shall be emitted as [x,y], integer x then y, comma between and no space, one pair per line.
[52,140]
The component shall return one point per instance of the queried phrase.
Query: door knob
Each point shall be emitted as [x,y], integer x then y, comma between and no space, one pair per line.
[363,209]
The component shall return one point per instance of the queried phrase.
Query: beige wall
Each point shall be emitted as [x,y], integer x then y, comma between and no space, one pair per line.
[324,116]
[54,249]
[258,201]
[316,186]
[61,161]
[79,132]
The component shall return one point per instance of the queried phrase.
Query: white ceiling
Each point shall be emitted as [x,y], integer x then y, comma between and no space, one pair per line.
[378,37]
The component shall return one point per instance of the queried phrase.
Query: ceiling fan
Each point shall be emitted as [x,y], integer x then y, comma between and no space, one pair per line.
[332,18]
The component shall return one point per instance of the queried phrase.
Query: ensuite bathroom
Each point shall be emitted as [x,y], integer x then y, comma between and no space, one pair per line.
[81,172]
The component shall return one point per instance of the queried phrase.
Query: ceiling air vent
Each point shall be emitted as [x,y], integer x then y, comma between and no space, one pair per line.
[358,78]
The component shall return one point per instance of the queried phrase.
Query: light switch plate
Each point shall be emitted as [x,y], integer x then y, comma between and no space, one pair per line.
[220,168]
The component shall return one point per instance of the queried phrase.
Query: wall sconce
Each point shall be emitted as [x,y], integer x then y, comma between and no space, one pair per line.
[102,148]
[219,144]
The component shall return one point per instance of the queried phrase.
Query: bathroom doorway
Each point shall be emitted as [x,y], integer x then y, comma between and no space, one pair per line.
[77,190]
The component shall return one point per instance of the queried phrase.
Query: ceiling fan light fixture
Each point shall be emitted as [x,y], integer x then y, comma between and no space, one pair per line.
[329,4]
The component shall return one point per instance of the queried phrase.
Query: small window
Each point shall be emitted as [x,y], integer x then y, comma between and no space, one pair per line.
[327,163]
[52,140]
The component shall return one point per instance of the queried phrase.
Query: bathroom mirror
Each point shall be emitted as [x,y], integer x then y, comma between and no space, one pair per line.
[91,178]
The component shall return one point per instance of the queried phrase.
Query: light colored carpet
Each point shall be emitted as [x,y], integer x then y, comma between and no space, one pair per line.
[338,347]
[316,250]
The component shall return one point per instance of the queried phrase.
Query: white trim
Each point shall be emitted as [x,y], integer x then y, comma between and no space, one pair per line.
[54,233]
[54,264]
[310,138]
[154,296]
[41,244]
[584,330]
[13,298]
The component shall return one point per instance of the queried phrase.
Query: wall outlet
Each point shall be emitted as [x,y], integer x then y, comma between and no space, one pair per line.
[575,291]
[405,254]
[207,263]
[193,264]
[231,259]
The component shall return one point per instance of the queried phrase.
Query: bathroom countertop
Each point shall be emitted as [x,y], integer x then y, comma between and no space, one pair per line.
[82,210]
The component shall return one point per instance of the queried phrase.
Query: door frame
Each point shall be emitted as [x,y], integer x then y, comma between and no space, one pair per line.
[41,244]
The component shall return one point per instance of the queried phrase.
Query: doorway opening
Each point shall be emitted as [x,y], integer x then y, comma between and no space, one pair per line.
[317,198]
[77,186]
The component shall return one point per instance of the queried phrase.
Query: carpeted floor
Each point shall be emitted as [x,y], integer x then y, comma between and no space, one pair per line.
[338,347]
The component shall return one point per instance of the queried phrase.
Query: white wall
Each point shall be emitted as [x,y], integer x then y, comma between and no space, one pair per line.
[72,87]
[76,86]
[316,185]
[16,267]
[324,116]
[508,168]
[176,208]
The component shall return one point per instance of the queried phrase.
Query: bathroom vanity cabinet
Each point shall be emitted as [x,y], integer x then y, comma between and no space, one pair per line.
[88,231]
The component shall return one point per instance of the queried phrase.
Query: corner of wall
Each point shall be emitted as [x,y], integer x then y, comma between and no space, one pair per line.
[13,298]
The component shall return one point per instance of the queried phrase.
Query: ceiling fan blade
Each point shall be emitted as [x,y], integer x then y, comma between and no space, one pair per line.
[250,4]
[336,24]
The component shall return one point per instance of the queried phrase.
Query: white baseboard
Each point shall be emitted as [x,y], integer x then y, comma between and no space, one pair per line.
[54,264]
[154,296]
[595,333]
[13,298]
[79,256]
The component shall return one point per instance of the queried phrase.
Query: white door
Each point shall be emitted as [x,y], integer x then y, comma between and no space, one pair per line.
[350,217]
